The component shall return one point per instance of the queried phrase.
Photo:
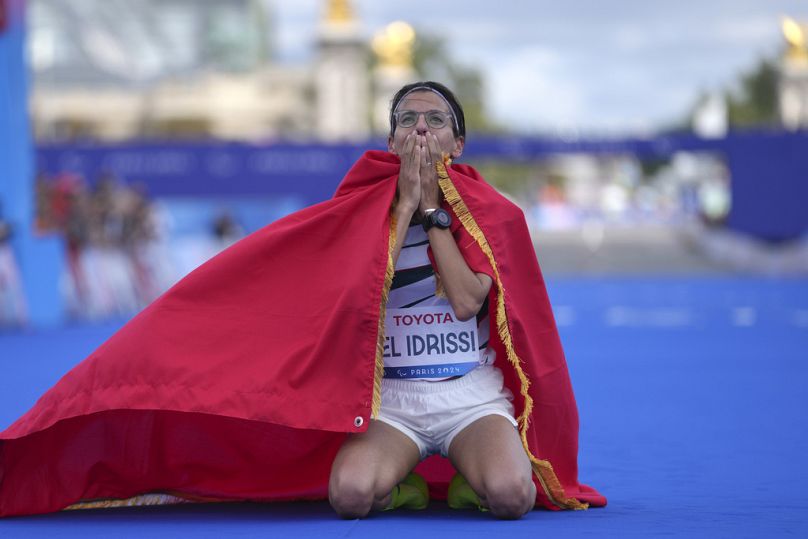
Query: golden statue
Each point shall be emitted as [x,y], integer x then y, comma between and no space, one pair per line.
[394,45]
[339,11]
[795,35]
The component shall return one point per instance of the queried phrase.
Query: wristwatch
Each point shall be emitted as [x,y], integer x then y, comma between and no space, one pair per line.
[439,218]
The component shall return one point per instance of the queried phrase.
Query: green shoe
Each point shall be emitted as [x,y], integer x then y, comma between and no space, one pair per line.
[411,493]
[461,495]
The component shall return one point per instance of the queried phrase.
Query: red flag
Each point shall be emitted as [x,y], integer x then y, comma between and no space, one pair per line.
[241,382]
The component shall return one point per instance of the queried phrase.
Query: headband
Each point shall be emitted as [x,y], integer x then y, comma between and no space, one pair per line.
[434,91]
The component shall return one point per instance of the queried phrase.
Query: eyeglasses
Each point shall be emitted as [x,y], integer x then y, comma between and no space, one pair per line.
[436,119]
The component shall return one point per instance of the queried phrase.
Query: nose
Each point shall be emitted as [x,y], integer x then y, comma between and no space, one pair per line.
[421,126]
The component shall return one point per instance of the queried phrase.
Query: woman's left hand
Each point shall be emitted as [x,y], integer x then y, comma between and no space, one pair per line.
[430,190]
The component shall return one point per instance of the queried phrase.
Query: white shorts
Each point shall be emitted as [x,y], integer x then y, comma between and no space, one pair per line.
[431,414]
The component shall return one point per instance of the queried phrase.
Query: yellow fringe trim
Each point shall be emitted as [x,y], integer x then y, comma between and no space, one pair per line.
[542,468]
[388,281]
[134,501]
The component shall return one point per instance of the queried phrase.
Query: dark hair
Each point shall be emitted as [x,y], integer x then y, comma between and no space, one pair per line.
[454,104]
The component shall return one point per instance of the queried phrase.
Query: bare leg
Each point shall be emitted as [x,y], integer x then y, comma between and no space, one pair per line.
[490,456]
[367,467]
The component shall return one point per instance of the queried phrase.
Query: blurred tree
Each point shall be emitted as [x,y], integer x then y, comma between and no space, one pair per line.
[516,179]
[754,101]
[432,61]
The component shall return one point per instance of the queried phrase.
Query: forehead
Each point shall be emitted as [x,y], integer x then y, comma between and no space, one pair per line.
[423,101]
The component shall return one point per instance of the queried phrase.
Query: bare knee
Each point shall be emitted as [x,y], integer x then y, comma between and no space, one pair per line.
[509,496]
[350,496]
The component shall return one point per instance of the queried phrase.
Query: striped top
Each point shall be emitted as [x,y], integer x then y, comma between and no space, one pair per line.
[414,286]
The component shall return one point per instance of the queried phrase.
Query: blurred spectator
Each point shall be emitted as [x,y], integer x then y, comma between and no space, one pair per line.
[551,210]
[70,214]
[620,191]
[143,239]
[226,230]
[105,266]
[12,302]
[114,261]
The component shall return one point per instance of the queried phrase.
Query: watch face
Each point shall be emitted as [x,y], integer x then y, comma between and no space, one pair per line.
[442,219]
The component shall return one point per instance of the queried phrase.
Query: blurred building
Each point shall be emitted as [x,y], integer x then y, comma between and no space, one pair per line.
[793,76]
[117,69]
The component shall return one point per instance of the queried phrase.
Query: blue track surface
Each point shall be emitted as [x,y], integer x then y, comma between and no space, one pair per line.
[692,394]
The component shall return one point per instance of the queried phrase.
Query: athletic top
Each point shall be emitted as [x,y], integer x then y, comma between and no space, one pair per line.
[414,290]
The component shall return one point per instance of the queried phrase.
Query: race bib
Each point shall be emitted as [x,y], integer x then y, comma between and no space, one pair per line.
[429,342]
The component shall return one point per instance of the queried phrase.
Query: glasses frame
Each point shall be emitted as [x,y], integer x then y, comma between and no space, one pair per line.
[447,118]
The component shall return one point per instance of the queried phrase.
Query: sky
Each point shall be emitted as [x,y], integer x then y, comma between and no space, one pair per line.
[622,66]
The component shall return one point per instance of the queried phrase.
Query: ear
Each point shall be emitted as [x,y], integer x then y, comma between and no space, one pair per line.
[390,144]
[460,143]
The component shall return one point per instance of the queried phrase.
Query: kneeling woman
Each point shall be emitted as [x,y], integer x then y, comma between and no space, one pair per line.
[448,399]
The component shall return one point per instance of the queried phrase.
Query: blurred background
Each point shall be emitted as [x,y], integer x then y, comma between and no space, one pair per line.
[659,151]
[642,141]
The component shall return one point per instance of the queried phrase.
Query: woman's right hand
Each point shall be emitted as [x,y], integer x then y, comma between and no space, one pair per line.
[409,177]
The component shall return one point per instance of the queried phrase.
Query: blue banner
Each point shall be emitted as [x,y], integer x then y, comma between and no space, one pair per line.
[210,169]
[769,170]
